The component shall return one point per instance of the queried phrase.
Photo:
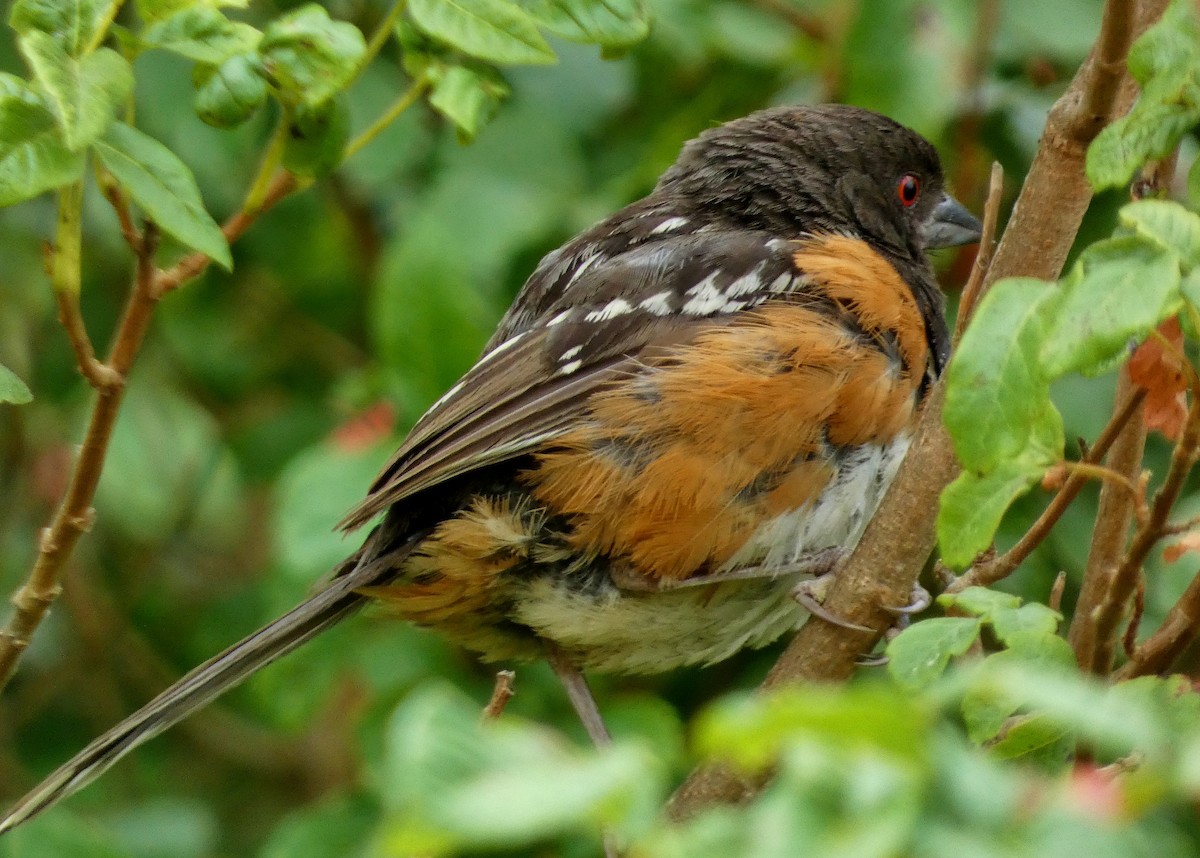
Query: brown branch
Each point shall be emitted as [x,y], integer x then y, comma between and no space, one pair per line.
[1111,531]
[899,538]
[974,291]
[75,515]
[120,205]
[98,375]
[1178,631]
[194,264]
[1100,621]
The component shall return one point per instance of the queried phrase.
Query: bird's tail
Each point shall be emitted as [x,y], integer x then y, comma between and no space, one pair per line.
[207,682]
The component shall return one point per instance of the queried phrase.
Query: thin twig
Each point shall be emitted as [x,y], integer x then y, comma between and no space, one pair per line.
[120,206]
[406,100]
[973,292]
[1103,619]
[1056,591]
[194,264]
[75,514]
[502,692]
[984,573]
[1178,631]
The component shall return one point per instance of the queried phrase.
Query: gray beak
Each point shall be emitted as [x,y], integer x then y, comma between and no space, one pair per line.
[950,224]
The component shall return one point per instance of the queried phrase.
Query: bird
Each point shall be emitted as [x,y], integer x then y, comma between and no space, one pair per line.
[686,417]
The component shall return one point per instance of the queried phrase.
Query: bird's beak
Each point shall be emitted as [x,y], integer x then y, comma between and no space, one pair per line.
[950,224]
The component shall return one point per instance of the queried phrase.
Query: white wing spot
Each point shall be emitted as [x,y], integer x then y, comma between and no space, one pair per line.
[659,303]
[671,223]
[588,262]
[444,398]
[504,346]
[745,284]
[561,317]
[570,353]
[782,283]
[570,367]
[615,307]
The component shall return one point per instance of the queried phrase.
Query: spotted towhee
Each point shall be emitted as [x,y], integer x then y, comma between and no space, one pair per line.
[689,410]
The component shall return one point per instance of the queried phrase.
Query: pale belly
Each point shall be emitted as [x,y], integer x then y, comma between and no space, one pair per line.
[626,631]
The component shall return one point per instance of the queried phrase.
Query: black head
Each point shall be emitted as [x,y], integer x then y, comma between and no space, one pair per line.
[824,168]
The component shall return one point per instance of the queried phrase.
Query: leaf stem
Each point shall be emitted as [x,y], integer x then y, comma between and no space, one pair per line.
[401,104]
[268,166]
[379,38]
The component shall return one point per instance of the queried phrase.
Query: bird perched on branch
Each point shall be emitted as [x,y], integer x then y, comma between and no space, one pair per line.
[690,410]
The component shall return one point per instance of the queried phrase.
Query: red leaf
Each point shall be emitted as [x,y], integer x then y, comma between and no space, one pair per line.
[1158,369]
[1188,542]
[366,428]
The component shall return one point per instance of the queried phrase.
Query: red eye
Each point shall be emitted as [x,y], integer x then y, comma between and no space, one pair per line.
[907,189]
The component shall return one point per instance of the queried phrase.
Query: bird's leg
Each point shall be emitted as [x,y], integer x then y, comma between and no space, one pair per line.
[580,695]
[589,715]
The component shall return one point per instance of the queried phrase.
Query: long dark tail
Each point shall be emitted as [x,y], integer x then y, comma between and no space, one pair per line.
[209,681]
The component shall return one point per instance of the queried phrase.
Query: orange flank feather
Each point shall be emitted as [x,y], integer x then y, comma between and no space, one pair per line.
[676,473]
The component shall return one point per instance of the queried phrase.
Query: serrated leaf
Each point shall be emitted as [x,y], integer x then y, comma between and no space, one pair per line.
[203,34]
[165,189]
[231,93]
[33,157]
[613,24]
[308,57]
[73,23]
[494,30]
[998,396]
[1168,224]
[1120,289]
[12,389]
[84,93]
[1121,148]
[920,653]
[979,601]
[973,505]
[467,98]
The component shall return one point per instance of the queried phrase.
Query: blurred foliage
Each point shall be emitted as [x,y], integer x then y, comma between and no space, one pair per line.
[266,397]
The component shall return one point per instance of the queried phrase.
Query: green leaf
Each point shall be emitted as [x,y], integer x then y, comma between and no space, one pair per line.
[979,601]
[1121,148]
[467,98]
[231,93]
[203,34]
[1193,184]
[612,24]
[151,11]
[84,93]
[33,157]
[973,505]
[753,730]
[1164,60]
[316,137]
[1168,224]
[998,405]
[494,30]
[308,57]
[920,653]
[12,389]
[73,23]
[1011,624]
[1120,289]
[1036,739]
[986,708]
[164,187]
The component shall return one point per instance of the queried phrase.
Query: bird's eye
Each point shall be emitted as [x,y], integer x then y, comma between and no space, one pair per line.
[907,189]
